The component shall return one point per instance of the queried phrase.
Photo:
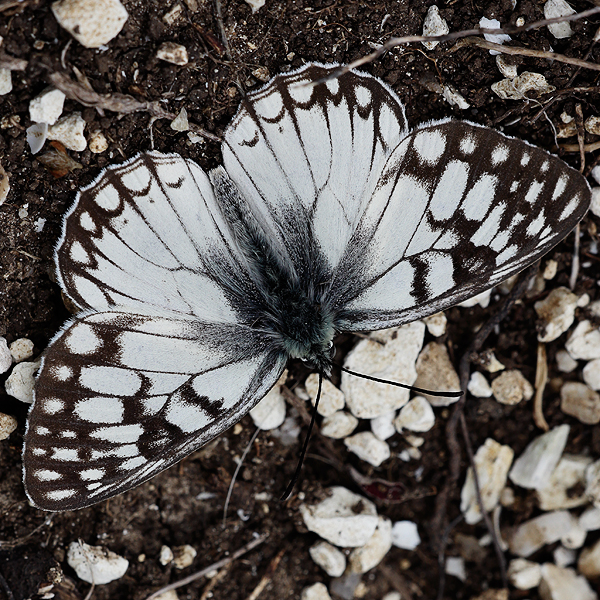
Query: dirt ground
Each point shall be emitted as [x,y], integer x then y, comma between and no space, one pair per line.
[184,504]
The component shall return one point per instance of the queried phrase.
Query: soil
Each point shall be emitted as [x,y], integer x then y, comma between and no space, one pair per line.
[184,505]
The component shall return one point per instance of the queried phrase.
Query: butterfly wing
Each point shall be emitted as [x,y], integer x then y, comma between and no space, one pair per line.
[458,209]
[149,232]
[122,396]
[307,157]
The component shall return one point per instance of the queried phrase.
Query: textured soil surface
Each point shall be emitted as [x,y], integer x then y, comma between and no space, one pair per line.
[184,504]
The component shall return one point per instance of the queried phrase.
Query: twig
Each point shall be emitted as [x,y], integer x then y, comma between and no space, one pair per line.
[218,565]
[90,592]
[397,581]
[24,538]
[11,63]
[576,148]
[266,578]
[219,17]
[206,592]
[6,588]
[517,50]
[456,418]
[397,41]
[541,378]
[235,473]
[121,103]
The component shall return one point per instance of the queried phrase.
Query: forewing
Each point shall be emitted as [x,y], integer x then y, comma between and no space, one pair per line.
[307,157]
[458,209]
[148,232]
[121,397]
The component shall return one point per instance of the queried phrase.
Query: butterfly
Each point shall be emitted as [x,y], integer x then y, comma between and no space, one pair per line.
[195,289]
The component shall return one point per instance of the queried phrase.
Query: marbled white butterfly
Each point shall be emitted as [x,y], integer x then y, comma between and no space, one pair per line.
[328,215]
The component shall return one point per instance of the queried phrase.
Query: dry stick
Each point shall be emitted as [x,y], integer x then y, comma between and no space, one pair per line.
[541,378]
[397,41]
[24,538]
[576,148]
[266,578]
[235,474]
[214,581]
[475,41]
[121,103]
[220,563]
[451,434]
[11,63]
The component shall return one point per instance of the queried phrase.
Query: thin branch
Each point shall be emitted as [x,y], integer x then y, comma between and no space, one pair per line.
[120,103]
[11,63]
[575,147]
[518,50]
[397,41]
[266,578]
[541,379]
[24,538]
[218,565]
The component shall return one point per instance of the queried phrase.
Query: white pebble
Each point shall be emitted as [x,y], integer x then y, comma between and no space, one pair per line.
[548,528]
[175,54]
[592,483]
[454,97]
[508,69]
[368,448]
[47,106]
[317,591]
[383,426]
[532,470]
[367,557]
[392,596]
[510,387]
[172,16]
[496,38]
[69,132]
[433,25]
[344,519]
[524,574]
[478,385]
[36,136]
[579,401]
[435,372]
[517,88]
[394,360]
[589,519]
[21,349]
[95,564]
[331,400]
[255,4]
[92,23]
[554,9]
[436,324]
[4,185]
[20,382]
[491,364]
[7,425]
[550,270]
[560,583]
[339,425]
[417,415]
[180,122]
[564,362]
[38,225]
[455,566]
[595,173]
[6,358]
[269,413]
[589,561]
[405,535]
[565,488]
[97,142]
[5,82]
[556,312]
[575,537]
[584,342]
[564,557]
[166,556]
[492,461]
[183,556]
[329,558]
[168,595]
[592,125]
[591,374]
[482,299]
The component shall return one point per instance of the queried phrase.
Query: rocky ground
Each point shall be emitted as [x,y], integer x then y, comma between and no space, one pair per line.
[184,505]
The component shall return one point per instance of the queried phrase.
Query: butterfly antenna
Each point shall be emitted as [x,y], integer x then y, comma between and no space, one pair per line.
[403,385]
[293,481]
